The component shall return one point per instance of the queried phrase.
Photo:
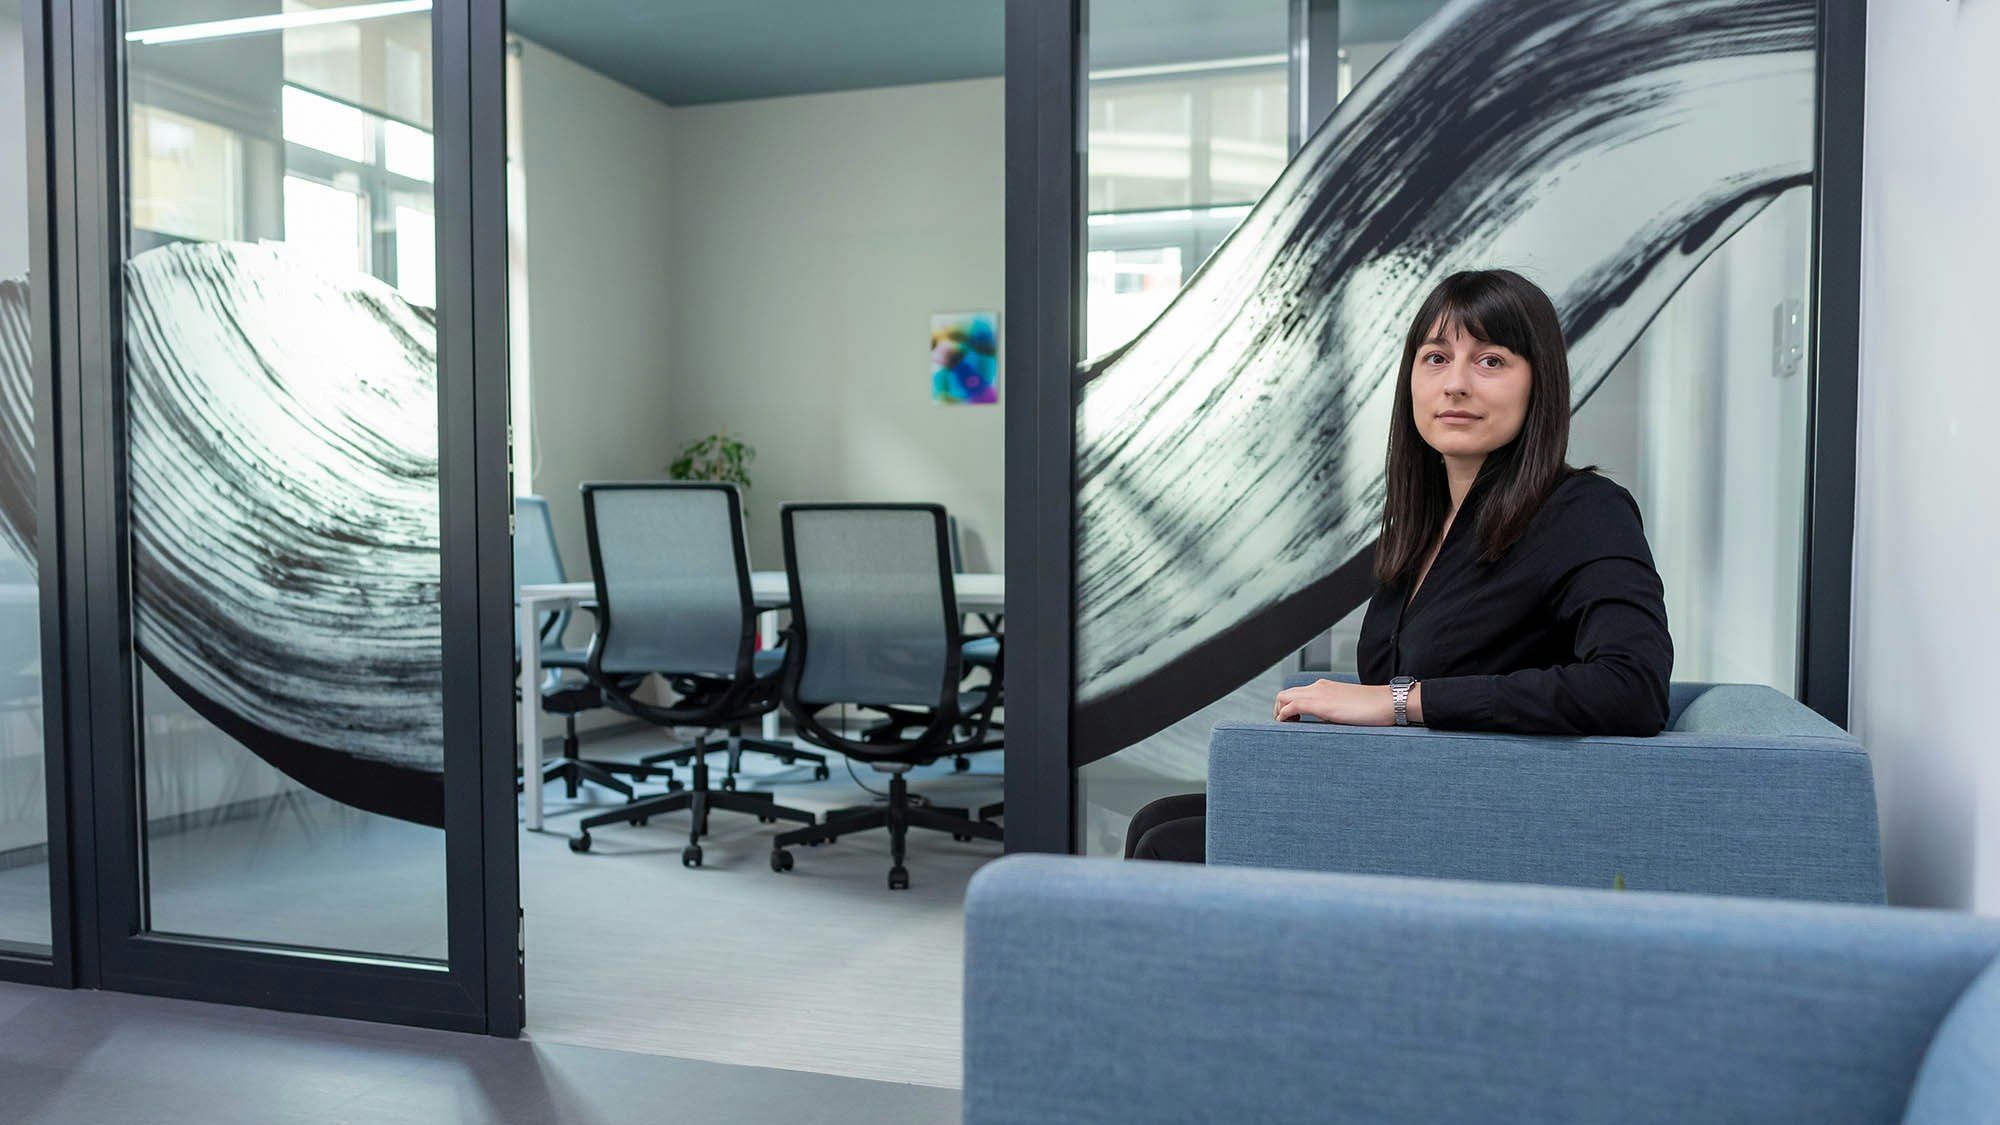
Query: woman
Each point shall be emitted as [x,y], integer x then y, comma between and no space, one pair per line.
[1514,593]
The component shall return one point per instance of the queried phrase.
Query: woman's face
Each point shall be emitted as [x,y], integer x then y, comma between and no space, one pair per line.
[1469,397]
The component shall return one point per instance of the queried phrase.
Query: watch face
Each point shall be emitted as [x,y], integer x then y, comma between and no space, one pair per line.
[1401,681]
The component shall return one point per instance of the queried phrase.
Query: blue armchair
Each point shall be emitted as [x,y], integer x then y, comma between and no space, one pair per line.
[1747,793]
[1099,991]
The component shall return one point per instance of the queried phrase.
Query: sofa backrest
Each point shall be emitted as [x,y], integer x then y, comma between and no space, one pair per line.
[1751,794]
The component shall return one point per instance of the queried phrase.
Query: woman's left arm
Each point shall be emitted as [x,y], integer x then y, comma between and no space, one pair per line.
[1612,602]
[1617,685]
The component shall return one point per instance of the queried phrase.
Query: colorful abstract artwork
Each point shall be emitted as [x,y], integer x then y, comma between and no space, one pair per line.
[965,358]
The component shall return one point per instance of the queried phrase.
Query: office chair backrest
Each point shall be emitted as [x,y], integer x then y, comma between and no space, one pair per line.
[873,609]
[536,560]
[673,578]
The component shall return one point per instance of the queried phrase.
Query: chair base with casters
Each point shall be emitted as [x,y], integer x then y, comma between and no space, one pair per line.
[574,770]
[783,751]
[898,816]
[699,800]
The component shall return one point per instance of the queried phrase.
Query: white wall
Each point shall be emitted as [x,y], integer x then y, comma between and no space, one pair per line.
[1926,659]
[814,237]
[596,158]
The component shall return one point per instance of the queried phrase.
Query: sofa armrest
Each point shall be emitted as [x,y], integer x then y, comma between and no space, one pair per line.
[1735,814]
[1099,991]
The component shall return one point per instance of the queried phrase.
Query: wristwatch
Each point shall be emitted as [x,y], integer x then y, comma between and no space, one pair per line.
[1399,693]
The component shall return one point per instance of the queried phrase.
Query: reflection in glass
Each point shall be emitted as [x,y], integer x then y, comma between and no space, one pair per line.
[24,828]
[282,453]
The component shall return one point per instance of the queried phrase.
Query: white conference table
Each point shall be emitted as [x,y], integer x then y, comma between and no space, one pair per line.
[977,593]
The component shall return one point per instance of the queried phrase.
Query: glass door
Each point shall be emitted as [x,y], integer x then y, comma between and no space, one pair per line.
[297,360]
[34,910]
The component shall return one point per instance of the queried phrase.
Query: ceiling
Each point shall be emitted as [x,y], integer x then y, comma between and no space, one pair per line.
[692,52]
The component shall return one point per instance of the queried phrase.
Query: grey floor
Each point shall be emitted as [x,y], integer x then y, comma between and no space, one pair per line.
[822,969]
[99,1058]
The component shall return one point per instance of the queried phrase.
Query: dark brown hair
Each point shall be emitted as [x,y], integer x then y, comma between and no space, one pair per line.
[1495,307]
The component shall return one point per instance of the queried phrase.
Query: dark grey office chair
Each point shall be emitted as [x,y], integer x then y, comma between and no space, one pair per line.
[875,625]
[673,594]
[983,650]
[565,689]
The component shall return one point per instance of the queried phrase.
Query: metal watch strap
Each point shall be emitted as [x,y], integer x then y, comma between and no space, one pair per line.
[1399,693]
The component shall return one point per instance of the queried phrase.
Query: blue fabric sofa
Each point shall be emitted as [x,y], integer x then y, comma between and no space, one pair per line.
[1748,792]
[1100,991]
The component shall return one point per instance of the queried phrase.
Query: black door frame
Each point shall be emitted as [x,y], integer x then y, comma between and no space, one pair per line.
[76,82]
[52,434]
[1045,195]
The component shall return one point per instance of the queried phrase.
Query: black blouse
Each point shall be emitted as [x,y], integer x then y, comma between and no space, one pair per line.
[1565,633]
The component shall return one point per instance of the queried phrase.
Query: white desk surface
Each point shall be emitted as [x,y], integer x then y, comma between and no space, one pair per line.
[977,593]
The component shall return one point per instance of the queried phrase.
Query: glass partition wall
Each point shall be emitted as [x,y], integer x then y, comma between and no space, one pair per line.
[290,389]
[25,916]
[1189,118]
[280,335]
[1231,412]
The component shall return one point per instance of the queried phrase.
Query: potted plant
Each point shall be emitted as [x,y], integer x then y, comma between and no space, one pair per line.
[717,457]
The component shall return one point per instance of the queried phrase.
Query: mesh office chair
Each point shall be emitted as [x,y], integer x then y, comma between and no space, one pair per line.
[673,593]
[875,624]
[981,651]
[565,690]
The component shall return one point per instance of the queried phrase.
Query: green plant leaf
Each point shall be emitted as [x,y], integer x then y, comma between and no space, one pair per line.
[716,457]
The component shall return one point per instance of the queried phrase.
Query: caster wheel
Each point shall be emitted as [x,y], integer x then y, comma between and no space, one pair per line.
[641,775]
[961,839]
[691,856]
[580,842]
[899,878]
[674,786]
[812,843]
[789,761]
[960,765]
[781,860]
[821,773]
[767,820]
[729,785]
[638,822]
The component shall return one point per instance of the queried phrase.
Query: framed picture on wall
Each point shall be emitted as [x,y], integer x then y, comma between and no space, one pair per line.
[965,358]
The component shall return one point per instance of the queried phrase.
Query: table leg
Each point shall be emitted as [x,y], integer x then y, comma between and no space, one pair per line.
[767,632]
[530,723]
